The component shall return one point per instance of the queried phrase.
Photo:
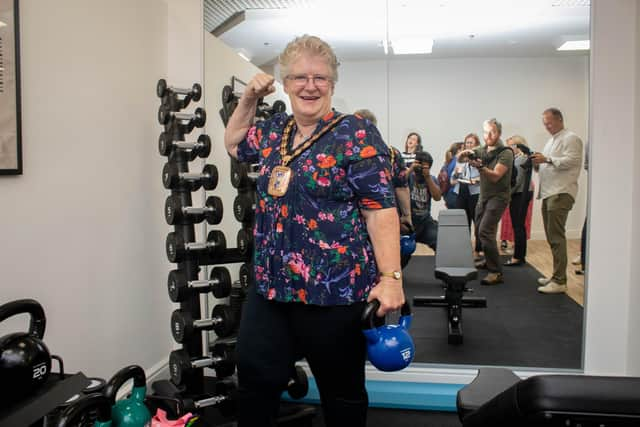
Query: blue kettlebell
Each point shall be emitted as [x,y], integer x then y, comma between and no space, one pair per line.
[71,416]
[389,347]
[130,412]
[407,244]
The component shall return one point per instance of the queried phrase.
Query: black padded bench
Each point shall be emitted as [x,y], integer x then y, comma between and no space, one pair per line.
[498,398]
[454,266]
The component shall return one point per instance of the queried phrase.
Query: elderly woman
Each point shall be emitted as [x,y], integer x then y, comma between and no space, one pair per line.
[326,239]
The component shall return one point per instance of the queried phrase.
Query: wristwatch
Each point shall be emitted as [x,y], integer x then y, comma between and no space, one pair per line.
[395,274]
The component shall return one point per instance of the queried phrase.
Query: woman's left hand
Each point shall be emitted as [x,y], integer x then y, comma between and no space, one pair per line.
[389,293]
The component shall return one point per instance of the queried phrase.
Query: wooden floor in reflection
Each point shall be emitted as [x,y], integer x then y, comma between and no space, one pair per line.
[539,256]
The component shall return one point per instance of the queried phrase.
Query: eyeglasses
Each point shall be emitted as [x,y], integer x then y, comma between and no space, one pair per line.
[300,80]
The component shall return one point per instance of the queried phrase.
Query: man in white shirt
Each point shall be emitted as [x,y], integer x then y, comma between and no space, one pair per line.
[559,167]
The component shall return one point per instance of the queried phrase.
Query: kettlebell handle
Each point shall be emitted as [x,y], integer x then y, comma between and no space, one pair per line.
[121,377]
[96,401]
[33,308]
[371,321]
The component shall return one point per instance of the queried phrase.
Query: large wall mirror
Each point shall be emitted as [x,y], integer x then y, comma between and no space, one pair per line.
[440,68]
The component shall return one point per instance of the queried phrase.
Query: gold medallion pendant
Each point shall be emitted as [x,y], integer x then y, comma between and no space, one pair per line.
[279,181]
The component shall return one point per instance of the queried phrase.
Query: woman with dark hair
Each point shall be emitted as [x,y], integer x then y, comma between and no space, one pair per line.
[412,145]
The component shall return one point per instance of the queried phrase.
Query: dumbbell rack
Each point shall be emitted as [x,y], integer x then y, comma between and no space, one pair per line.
[176,126]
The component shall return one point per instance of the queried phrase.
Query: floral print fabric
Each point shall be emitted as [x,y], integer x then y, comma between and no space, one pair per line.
[312,244]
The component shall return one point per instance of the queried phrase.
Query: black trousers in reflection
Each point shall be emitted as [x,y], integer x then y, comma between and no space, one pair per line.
[273,335]
[468,202]
[518,208]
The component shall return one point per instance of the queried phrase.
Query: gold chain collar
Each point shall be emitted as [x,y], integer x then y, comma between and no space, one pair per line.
[284,143]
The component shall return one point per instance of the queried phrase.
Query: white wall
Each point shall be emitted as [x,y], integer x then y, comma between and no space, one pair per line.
[444,99]
[633,355]
[611,331]
[82,229]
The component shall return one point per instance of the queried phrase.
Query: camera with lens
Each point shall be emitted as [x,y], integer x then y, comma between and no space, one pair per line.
[422,157]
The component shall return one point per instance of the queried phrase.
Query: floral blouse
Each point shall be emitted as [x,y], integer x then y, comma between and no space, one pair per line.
[311,245]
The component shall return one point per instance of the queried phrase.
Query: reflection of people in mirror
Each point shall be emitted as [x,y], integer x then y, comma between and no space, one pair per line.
[466,186]
[322,249]
[558,168]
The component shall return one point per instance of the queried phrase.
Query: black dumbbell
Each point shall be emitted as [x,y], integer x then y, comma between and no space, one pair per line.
[208,178]
[243,175]
[180,288]
[162,89]
[198,117]
[175,213]
[177,249]
[181,366]
[200,148]
[298,385]
[244,207]
[222,400]
[221,322]
[244,241]
[247,275]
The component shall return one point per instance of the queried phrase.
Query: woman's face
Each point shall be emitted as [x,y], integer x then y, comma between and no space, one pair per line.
[469,143]
[310,87]
[412,143]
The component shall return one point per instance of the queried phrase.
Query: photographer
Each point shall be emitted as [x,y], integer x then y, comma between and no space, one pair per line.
[423,187]
[494,161]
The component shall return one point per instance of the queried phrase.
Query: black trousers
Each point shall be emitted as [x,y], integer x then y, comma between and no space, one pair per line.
[518,210]
[273,335]
[468,202]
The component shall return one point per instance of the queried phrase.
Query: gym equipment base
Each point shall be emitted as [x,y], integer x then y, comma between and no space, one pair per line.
[291,416]
[52,394]
[498,398]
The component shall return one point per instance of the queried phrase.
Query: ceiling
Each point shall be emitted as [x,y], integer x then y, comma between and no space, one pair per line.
[358,29]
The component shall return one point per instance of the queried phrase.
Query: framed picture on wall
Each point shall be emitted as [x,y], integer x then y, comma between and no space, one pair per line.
[10,129]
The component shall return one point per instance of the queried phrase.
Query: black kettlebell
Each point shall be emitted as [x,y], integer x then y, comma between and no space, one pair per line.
[25,362]
[94,402]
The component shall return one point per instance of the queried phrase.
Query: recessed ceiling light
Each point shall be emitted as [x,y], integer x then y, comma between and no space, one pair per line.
[575,45]
[411,46]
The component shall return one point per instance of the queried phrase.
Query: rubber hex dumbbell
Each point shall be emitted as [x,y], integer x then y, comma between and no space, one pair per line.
[222,400]
[162,89]
[221,322]
[247,275]
[182,366]
[171,177]
[244,241]
[180,288]
[244,206]
[298,385]
[175,213]
[200,148]
[243,175]
[178,250]
[198,118]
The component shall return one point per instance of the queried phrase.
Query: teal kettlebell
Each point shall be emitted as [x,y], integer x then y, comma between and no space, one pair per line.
[130,412]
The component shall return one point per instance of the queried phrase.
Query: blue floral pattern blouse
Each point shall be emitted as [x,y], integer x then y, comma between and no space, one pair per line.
[311,245]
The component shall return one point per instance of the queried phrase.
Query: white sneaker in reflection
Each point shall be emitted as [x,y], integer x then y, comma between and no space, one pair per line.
[576,260]
[543,281]
[553,288]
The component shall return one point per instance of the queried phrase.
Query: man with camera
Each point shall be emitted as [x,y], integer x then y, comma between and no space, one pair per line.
[423,187]
[494,161]
[558,167]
